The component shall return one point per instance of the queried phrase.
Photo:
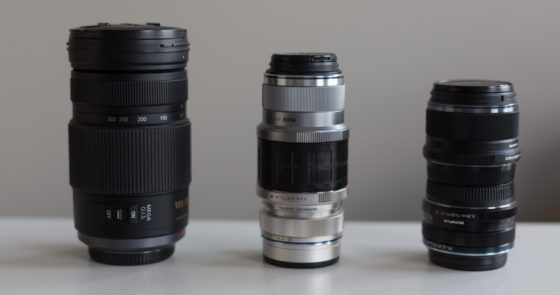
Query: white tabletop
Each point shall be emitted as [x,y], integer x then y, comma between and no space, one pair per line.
[44,256]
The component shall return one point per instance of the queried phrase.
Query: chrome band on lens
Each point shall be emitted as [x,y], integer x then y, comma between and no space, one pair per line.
[510,205]
[298,240]
[301,253]
[302,211]
[295,227]
[474,166]
[131,244]
[303,99]
[317,119]
[434,247]
[303,134]
[303,81]
[303,198]
[510,108]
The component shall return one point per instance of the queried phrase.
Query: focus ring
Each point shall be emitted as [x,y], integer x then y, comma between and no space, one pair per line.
[302,167]
[302,227]
[470,159]
[128,93]
[467,239]
[303,99]
[468,175]
[470,196]
[472,127]
[129,161]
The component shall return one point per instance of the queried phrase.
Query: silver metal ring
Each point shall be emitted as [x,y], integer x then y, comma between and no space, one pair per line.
[303,134]
[302,211]
[512,204]
[316,119]
[303,99]
[302,228]
[510,108]
[303,81]
[307,198]
[299,240]
[130,244]
[301,253]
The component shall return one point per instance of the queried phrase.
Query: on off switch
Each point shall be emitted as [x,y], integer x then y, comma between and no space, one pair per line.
[119,214]
[133,214]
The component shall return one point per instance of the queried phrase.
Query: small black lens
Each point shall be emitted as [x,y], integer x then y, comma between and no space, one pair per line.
[471,149]
[129,140]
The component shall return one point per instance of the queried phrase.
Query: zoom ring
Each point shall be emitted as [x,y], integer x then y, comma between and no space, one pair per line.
[472,127]
[465,175]
[128,93]
[297,167]
[470,159]
[473,196]
[467,239]
[133,160]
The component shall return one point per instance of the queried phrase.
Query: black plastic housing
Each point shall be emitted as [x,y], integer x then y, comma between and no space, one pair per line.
[472,149]
[129,138]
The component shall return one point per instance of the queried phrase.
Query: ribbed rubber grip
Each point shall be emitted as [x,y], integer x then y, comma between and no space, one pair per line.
[302,167]
[469,175]
[470,196]
[470,159]
[129,161]
[128,92]
[467,239]
[472,127]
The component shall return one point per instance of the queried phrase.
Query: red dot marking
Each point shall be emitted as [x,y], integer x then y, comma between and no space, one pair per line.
[181,233]
[437,212]
[271,196]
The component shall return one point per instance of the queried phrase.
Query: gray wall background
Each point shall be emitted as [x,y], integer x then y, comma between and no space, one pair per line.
[390,51]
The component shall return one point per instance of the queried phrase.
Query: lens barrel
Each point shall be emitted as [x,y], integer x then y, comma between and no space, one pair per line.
[471,149]
[129,140]
[302,160]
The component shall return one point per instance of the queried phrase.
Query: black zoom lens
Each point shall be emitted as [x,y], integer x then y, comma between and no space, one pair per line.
[129,140]
[471,149]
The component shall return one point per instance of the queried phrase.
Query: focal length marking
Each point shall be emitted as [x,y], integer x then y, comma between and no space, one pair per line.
[309,198]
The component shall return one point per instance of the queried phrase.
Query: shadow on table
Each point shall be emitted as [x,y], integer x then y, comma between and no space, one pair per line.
[398,261]
[233,259]
[46,256]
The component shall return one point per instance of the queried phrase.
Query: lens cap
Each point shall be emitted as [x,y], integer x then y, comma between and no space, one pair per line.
[128,47]
[473,92]
[304,64]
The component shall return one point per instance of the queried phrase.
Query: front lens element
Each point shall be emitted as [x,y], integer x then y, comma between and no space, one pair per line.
[303,160]
[129,140]
[472,149]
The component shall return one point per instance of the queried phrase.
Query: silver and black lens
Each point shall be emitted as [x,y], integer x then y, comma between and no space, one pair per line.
[302,160]
[129,140]
[471,149]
